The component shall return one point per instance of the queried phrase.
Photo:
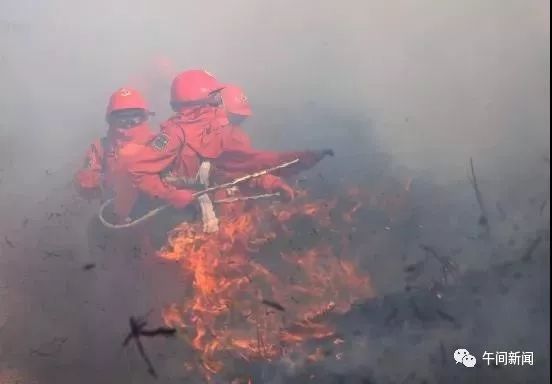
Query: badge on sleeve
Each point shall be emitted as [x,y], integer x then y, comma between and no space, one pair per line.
[160,142]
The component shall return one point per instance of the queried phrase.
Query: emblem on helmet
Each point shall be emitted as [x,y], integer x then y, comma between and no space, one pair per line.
[125,92]
[242,99]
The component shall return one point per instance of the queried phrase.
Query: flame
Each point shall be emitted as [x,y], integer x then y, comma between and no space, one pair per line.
[256,297]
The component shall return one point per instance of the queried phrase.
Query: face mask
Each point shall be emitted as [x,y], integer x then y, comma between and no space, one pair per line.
[236,119]
[127,118]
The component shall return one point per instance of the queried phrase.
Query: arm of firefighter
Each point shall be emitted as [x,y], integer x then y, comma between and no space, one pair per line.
[251,160]
[146,166]
[88,179]
[240,156]
[235,139]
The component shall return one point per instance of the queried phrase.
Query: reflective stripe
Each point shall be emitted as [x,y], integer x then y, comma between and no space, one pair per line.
[210,220]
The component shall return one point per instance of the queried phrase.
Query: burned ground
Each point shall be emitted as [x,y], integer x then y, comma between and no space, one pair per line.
[437,289]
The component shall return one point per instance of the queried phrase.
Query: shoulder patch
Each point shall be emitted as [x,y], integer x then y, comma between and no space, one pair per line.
[160,142]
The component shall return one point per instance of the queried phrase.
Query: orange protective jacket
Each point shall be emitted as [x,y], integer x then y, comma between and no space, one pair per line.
[199,134]
[104,171]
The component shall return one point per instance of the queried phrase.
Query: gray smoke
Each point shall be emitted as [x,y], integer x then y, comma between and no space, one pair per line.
[408,88]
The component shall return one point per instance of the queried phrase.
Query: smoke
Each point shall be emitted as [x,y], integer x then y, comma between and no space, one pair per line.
[441,81]
[415,87]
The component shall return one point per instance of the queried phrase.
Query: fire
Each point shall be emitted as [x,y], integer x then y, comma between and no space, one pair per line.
[260,290]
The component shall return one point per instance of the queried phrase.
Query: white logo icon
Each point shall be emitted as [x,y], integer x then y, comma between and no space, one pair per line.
[464,357]
[124,92]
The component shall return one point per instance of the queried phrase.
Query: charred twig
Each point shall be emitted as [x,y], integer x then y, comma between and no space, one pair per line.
[417,312]
[532,247]
[448,267]
[443,353]
[89,266]
[483,219]
[51,348]
[414,271]
[8,242]
[445,316]
[136,330]
[542,206]
[389,318]
[274,305]
[501,212]
[51,254]
[409,378]
[52,214]
[160,331]
[437,288]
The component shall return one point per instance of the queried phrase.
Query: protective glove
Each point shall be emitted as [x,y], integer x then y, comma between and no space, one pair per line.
[180,198]
[310,158]
[271,183]
[88,184]
[87,179]
[286,192]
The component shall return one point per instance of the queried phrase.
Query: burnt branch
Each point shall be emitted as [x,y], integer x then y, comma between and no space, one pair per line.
[273,304]
[484,218]
[528,255]
[448,267]
[137,330]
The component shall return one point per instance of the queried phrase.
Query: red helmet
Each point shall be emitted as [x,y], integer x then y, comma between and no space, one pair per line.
[193,85]
[126,98]
[235,101]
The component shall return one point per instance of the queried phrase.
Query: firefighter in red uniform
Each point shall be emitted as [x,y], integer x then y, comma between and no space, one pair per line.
[127,115]
[103,174]
[238,110]
[192,139]
[116,253]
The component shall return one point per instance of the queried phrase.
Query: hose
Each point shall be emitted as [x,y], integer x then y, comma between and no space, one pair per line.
[156,211]
[130,224]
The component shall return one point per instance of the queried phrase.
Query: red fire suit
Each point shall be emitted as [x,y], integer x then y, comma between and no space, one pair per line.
[235,139]
[104,171]
[198,134]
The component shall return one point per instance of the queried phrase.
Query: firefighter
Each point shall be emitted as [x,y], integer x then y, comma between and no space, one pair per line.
[127,117]
[121,274]
[238,110]
[191,140]
[103,174]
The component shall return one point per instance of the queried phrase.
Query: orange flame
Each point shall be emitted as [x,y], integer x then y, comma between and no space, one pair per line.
[254,298]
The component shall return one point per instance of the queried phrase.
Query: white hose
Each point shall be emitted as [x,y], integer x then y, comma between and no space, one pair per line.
[132,223]
[156,211]
[234,182]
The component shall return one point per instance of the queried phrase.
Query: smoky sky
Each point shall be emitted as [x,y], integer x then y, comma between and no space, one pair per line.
[439,81]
